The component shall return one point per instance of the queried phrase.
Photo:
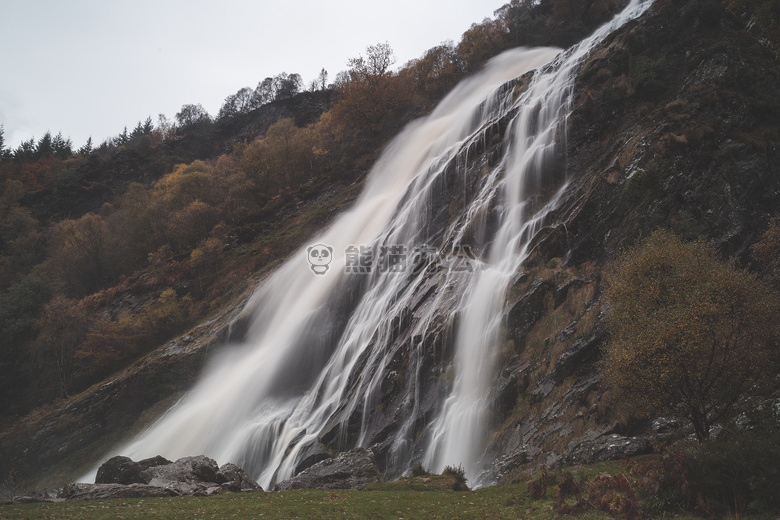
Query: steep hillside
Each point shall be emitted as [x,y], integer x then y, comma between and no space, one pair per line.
[674,125]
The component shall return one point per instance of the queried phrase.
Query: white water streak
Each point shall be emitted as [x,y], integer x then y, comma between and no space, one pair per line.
[458,436]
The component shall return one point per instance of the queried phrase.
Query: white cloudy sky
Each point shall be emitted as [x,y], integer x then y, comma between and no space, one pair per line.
[90,67]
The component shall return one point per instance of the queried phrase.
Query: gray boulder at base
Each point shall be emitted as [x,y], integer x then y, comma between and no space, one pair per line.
[354,469]
[187,469]
[121,477]
[233,478]
[123,470]
[80,491]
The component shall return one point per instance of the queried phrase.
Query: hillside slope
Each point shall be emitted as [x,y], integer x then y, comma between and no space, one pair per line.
[675,125]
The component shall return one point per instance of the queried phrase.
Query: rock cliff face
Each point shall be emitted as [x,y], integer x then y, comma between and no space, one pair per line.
[674,124]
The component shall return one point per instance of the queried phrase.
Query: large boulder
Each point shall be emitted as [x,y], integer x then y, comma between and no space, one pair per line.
[123,470]
[121,477]
[119,470]
[186,469]
[233,478]
[354,469]
[80,491]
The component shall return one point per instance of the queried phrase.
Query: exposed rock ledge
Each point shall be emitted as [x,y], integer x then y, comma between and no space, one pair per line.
[353,469]
[121,477]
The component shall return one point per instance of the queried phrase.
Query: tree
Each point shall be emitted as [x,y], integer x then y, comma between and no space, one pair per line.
[689,333]
[44,147]
[80,252]
[122,138]
[61,147]
[264,93]
[481,42]
[370,93]
[322,79]
[87,148]
[766,252]
[286,85]
[191,115]
[63,327]
[242,102]
[25,151]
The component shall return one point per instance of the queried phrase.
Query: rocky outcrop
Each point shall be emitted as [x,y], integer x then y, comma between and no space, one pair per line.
[354,469]
[81,491]
[606,447]
[121,477]
[123,470]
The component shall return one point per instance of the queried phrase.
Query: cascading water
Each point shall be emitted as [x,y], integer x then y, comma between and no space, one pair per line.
[316,360]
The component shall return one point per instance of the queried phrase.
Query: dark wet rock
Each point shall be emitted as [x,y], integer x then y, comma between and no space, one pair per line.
[123,470]
[561,293]
[527,310]
[119,470]
[81,491]
[313,457]
[581,351]
[188,476]
[666,424]
[233,478]
[187,469]
[354,469]
[607,447]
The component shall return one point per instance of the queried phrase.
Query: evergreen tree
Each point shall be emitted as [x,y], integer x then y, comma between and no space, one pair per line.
[148,127]
[87,148]
[61,147]
[137,132]
[45,146]
[25,151]
[122,138]
[4,153]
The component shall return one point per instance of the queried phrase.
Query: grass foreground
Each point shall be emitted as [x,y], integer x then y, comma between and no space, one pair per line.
[426,497]
[421,497]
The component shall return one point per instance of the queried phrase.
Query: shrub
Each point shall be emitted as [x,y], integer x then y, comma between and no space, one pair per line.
[689,333]
[459,474]
[419,471]
[733,473]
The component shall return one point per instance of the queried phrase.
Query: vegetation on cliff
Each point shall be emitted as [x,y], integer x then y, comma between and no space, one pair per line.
[689,334]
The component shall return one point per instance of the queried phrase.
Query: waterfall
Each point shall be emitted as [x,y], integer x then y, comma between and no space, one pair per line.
[319,350]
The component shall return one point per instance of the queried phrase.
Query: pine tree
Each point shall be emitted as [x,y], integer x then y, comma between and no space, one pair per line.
[61,147]
[87,148]
[44,147]
[4,154]
[148,127]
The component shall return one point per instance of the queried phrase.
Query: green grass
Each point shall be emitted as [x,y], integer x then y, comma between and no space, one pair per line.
[427,497]
[388,502]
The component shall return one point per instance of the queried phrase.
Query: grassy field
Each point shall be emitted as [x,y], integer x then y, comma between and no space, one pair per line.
[427,497]
[424,497]
[386,503]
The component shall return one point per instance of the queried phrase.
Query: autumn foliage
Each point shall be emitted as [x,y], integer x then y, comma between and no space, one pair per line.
[149,223]
[690,334]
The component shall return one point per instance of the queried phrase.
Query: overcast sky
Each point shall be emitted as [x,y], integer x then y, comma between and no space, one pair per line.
[90,67]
